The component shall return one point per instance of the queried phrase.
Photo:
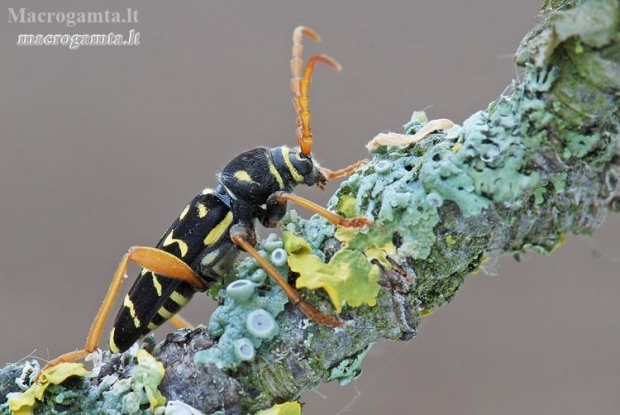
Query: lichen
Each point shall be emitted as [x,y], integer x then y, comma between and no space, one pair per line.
[349,369]
[178,408]
[67,385]
[348,278]
[491,162]
[24,403]
[286,408]
[246,319]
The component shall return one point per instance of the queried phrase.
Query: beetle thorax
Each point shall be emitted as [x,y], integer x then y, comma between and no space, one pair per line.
[254,175]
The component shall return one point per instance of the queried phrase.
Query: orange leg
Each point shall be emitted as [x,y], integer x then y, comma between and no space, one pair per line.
[154,259]
[334,218]
[240,237]
[181,322]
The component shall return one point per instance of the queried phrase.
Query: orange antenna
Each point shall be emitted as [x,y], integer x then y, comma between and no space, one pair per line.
[301,85]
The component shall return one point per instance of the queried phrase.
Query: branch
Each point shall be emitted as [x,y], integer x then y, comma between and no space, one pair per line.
[538,163]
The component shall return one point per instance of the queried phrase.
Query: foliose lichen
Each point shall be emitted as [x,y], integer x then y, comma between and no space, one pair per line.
[247,318]
[242,324]
[349,369]
[286,408]
[67,385]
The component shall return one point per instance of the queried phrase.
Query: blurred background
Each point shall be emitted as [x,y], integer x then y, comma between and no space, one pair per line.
[101,147]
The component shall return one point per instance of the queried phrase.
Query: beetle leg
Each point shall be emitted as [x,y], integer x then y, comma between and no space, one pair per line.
[336,219]
[239,236]
[154,259]
[181,322]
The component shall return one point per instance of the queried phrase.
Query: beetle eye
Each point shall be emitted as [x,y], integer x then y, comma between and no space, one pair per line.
[304,165]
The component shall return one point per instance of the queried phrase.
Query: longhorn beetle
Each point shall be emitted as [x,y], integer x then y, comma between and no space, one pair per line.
[202,244]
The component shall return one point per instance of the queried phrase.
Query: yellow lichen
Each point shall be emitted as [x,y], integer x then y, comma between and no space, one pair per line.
[286,408]
[348,278]
[23,404]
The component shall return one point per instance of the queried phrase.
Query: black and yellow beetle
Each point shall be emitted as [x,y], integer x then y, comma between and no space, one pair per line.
[202,244]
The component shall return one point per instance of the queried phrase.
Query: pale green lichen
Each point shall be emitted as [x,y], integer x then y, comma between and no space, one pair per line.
[278,257]
[415,194]
[141,388]
[261,324]
[242,323]
[178,408]
[241,291]
[67,386]
[24,403]
[138,394]
[314,230]
[579,145]
[539,195]
[559,182]
[486,161]
[349,369]
[244,349]
[247,318]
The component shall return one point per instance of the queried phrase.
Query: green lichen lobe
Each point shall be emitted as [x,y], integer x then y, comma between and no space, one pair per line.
[349,369]
[474,166]
[348,278]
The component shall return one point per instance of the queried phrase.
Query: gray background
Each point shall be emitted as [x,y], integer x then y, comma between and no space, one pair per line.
[101,148]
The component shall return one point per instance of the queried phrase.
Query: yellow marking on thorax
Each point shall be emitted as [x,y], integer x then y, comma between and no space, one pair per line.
[132,311]
[243,176]
[296,176]
[206,191]
[218,231]
[202,210]
[182,215]
[275,173]
[170,240]
[156,284]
